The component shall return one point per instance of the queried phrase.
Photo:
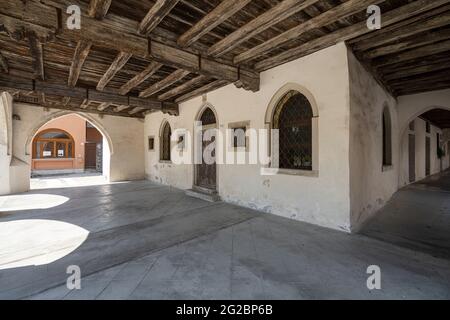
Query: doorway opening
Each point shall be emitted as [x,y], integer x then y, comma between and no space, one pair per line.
[69,151]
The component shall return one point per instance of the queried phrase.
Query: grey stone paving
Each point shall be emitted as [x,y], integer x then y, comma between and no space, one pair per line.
[418,217]
[152,242]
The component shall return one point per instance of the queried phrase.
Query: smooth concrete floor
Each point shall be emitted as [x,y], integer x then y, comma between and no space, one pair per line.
[140,240]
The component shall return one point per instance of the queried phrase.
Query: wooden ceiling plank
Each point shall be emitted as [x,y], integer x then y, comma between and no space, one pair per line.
[346,9]
[217,16]
[99,8]
[203,90]
[155,15]
[169,80]
[79,57]
[389,18]
[182,88]
[282,11]
[413,54]
[140,77]
[119,62]
[4,64]
[402,33]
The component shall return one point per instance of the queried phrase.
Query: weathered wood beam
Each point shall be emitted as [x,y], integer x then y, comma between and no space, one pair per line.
[389,18]
[140,77]
[121,108]
[105,33]
[103,106]
[4,64]
[282,11]
[135,110]
[88,95]
[99,8]
[413,54]
[182,88]
[417,71]
[37,55]
[346,9]
[200,91]
[155,15]
[168,81]
[410,43]
[219,14]
[80,55]
[403,33]
[119,62]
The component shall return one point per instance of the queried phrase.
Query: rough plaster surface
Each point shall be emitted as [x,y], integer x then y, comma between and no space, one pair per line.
[322,200]
[371,186]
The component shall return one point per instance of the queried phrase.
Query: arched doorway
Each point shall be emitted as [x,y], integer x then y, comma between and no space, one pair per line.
[69,145]
[206,171]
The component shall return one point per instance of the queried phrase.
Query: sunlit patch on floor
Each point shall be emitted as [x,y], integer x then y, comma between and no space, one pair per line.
[37,242]
[30,202]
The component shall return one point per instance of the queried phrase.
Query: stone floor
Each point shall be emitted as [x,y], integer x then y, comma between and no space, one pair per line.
[139,240]
[418,217]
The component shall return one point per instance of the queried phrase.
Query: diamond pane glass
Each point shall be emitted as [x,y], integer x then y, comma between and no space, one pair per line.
[293,117]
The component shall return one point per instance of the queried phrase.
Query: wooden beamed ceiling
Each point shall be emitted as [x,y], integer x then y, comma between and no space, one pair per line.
[135,56]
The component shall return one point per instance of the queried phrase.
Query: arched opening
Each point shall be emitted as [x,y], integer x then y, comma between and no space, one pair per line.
[293,120]
[387,137]
[165,142]
[69,149]
[294,146]
[206,170]
[425,145]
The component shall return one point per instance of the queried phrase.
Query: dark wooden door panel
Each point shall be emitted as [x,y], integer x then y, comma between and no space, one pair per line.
[90,156]
[412,158]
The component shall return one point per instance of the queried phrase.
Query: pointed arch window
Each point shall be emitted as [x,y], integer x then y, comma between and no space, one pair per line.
[165,150]
[293,117]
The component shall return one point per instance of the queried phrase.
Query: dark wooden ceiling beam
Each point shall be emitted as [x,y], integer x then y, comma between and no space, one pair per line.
[166,82]
[3,64]
[79,57]
[341,11]
[99,8]
[203,90]
[140,77]
[155,15]
[217,16]
[415,53]
[17,83]
[410,43]
[403,33]
[282,11]
[417,70]
[37,55]
[389,18]
[119,62]
[182,88]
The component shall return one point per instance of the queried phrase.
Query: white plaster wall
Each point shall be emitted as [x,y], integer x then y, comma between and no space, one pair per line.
[124,134]
[420,137]
[322,200]
[371,186]
[5,142]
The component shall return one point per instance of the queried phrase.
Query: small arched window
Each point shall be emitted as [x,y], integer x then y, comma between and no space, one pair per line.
[53,143]
[387,137]
[293,118]
[166,134]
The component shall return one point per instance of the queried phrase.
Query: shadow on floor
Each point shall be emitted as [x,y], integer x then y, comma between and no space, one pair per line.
[417,217]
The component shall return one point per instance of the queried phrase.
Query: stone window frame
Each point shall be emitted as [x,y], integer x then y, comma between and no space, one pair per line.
[314,173]
[238,125]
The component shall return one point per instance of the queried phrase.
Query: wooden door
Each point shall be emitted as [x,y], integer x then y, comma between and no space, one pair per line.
[412,158]
[90,156]
[206,174]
